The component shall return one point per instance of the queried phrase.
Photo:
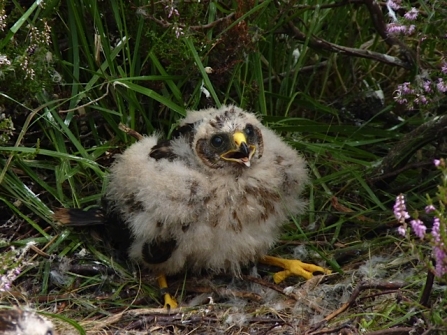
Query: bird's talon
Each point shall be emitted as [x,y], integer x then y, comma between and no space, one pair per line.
[293,267]
[170,302]
[280,276]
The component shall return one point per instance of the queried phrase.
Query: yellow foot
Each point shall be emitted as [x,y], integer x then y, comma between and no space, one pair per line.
[170,302]
[292,267]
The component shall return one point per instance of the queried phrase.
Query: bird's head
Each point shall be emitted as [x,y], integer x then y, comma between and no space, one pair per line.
[228,138]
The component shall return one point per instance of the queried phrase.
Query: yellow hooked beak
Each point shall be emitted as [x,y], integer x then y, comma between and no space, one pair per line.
[242,153]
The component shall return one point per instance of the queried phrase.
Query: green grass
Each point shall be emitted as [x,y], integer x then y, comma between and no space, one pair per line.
[117,61]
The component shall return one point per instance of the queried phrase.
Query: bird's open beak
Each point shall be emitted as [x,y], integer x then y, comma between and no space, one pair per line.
[242,153]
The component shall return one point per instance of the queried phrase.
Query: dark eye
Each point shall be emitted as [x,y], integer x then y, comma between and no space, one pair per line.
[217,141]
[249,131]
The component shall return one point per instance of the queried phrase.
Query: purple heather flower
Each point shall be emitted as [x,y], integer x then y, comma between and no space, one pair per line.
[444,68]
[436,232]
[178,31]
[437,162]
[7,279]
[439,250]
[441,85]
[172,9]
[405,88]
[393,4]
[421,100]
[441,261]
[427,86]
[401,100]
[429,209]
[419,228]
[402,90]
[400,210]
[412,14]
[5,285]
[401,230]
[396,28]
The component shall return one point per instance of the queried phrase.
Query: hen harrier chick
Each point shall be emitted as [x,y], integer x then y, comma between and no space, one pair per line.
[214,197]
[19,322]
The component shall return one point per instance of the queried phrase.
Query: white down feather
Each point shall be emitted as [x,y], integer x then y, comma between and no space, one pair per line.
[186,192]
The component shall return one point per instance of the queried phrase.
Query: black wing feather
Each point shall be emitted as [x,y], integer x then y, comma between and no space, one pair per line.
[158,252]
[108,223]
[163,149]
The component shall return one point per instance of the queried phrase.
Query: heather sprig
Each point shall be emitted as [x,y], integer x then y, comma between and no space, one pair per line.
[2,19]
[429,85]
[11,264]
[438,236]
[173,14]
[401,26]
[26,62]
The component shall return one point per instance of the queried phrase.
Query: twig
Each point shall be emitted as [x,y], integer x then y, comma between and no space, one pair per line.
[379,23]
[130,131]
[309,68]
[319,43]
[394,173]
[425,297]
[39,252]
[356,292]
[166,24]
[401,153]
[329,5]
[212,24]
[360,288]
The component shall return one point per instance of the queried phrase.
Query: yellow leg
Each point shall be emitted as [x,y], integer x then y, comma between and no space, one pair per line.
[292,267]
[170,302]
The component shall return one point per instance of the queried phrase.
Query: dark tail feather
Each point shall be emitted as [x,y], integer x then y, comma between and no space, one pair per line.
[105,227]
[78,217]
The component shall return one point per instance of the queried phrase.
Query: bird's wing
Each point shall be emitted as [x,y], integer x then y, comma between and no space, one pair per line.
[157,198]
[164,148]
